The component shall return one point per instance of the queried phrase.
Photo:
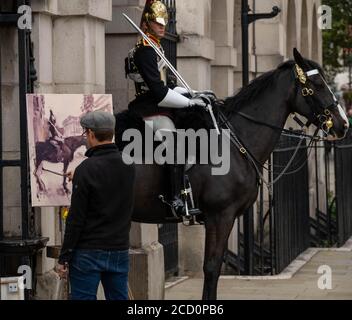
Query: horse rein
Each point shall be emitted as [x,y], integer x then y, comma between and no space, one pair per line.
[256,164]
[324,119]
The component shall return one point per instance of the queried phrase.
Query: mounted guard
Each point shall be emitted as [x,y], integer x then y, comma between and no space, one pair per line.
[56,139]
[157,98]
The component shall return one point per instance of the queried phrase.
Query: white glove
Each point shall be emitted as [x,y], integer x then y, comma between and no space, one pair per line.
[196,102]
[173,99]
[181,90]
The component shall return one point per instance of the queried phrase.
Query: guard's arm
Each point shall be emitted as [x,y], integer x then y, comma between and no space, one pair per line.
[147,64]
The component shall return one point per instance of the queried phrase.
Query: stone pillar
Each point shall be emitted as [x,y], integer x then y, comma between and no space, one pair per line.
[10,130]
[147,275]
[196,49]
[191,246]
[120,38]
[267,54]
[69,48]
[222,79]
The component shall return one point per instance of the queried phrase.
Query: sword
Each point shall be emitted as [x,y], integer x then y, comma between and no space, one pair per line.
[210,110]
[56,129]
[53,172]
[171,67]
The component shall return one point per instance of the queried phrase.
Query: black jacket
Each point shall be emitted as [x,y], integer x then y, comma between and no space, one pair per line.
[146,104]
[101,204]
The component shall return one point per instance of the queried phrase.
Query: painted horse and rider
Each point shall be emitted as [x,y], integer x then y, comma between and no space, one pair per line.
[56,138]
[158,98]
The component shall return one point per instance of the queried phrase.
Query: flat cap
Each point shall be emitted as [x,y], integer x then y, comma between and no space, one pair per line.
[99,121]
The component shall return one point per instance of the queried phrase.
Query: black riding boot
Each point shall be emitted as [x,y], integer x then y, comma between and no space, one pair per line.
[177,173]
[180,189]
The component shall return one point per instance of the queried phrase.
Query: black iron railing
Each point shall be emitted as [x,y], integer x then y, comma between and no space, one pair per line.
[288,228]
[343,186]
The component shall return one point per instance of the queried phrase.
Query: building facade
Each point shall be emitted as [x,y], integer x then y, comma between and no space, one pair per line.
[79,47]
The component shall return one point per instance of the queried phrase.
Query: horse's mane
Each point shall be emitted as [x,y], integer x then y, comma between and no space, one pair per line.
[259,85]
[197,118]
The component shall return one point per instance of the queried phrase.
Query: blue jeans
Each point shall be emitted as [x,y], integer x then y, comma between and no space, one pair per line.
[89,267]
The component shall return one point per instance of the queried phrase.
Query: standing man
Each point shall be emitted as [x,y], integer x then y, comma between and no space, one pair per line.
[96,240]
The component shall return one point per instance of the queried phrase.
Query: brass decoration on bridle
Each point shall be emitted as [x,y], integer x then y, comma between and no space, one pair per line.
[301,75]
[307,92]
[327,122]
[303,79]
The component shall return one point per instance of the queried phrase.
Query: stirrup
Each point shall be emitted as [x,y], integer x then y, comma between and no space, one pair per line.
[162,199]
[191,211]
[187,214]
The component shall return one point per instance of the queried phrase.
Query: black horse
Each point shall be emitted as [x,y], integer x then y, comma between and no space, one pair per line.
[268,100]
[45,151]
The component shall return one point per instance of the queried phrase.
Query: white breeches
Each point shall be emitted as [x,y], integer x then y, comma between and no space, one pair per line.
[161,123]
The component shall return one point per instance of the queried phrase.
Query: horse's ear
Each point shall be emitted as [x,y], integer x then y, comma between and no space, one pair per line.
[299,59]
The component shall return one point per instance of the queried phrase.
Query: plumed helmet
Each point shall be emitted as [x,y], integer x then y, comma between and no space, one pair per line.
[155,11]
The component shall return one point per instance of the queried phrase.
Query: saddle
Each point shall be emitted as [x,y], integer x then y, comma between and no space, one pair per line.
[193,119]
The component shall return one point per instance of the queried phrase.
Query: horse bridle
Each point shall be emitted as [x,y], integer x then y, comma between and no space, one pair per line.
[322,114]
[324,118]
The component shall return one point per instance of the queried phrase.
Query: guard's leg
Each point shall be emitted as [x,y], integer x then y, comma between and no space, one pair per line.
[176,171]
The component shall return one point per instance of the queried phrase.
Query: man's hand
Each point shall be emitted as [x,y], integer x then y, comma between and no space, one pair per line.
[62,271]
[69,175]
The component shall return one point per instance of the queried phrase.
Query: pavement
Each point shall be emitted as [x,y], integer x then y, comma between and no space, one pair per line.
[300,281]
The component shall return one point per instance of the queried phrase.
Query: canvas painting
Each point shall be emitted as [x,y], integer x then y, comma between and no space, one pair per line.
[56,142]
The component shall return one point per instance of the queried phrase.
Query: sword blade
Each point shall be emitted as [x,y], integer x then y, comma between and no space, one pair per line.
[210,110]
[53,172]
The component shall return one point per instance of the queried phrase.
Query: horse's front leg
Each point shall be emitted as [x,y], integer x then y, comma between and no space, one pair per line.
[218,228]
[40,183]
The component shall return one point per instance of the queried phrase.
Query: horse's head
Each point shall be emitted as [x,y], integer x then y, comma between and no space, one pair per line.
[75,142]
[315,100]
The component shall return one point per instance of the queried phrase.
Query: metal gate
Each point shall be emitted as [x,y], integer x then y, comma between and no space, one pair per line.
[291,204]
[15,252]
[280,233]
[168,233]
[332,225]
[275,238]
[343,182]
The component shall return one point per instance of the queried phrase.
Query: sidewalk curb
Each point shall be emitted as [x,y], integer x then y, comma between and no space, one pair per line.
[176,281]
[295,265]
